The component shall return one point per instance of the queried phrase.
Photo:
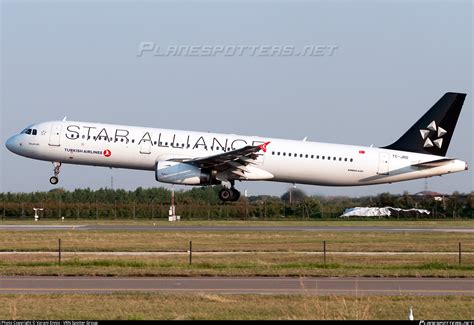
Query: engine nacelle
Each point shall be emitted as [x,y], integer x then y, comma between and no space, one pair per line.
[180,173]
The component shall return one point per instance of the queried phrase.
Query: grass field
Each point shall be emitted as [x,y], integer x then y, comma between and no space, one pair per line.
[280,264]
[137,306]
[285,241]
[238,253]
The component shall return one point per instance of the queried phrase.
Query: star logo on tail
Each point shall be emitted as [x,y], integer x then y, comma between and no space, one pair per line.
[431,132]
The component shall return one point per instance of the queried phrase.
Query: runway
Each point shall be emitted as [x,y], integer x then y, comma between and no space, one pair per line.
[236,285]
[229,228]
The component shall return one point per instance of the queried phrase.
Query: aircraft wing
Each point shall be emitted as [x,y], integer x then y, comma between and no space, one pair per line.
[234,160]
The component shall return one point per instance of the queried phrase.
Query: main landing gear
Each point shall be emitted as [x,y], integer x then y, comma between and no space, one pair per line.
[55,180]
[229,194]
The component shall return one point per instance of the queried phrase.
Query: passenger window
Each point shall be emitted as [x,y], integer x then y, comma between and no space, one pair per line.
[312,156]
[289,155]
[278,153]
[284,154]
[317,157]
[322,158]
[345,159]
[306,156]
[352,159]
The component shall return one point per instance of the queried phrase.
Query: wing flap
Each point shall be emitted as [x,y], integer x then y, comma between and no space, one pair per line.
[234,161]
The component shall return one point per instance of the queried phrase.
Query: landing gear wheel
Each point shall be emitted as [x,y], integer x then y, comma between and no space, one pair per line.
[229,194]
[226,194]
[57,169]
[235,195]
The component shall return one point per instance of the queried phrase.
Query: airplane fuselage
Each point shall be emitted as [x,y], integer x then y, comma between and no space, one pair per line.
[291,161]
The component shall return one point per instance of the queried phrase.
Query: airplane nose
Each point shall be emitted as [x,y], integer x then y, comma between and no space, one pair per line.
[10,144]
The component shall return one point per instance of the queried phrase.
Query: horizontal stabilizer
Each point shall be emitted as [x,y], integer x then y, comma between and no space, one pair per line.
[433,163]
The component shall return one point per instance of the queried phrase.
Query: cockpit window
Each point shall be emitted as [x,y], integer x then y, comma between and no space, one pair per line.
[30,131]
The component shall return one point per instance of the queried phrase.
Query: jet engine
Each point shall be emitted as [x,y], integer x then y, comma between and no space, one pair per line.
[180,173]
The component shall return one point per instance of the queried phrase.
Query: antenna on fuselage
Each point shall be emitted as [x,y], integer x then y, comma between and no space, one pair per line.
[65,118]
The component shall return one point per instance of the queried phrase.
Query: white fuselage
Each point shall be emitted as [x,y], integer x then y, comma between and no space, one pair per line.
[304,162]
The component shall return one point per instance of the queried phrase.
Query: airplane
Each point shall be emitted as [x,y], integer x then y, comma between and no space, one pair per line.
[202,158]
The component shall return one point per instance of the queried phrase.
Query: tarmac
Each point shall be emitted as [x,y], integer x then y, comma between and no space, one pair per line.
[240,285]
[230,228]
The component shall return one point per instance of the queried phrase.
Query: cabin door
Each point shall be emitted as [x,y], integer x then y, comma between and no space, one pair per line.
[384,159]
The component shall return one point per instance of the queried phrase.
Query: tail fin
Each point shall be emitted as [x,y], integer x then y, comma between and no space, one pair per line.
[433,131]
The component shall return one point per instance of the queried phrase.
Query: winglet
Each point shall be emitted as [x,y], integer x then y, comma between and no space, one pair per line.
[263,147]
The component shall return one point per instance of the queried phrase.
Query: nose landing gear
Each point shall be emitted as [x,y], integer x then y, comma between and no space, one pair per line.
[55,180]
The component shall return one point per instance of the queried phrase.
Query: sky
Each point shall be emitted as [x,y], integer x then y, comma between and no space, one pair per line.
[366,71]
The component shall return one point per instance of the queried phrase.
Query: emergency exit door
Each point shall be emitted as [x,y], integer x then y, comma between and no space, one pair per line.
[145,147]
[384,159]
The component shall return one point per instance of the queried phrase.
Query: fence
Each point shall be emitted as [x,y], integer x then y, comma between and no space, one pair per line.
[156,210]
[153,210]
[84,253]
